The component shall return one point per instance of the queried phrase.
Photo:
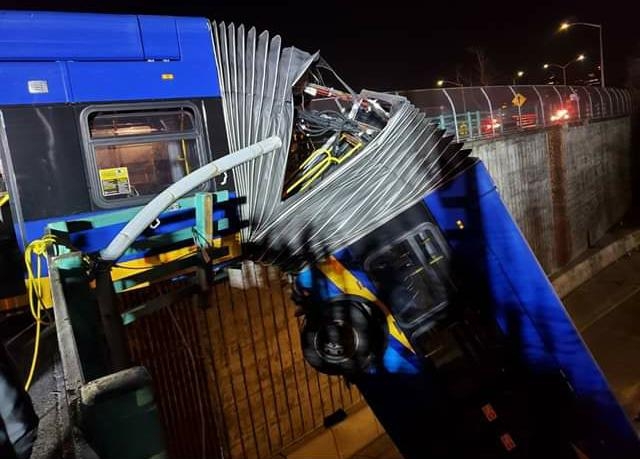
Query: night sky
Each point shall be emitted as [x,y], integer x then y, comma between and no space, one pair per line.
[409,45]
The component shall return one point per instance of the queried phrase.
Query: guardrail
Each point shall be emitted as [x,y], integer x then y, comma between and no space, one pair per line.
[477,112]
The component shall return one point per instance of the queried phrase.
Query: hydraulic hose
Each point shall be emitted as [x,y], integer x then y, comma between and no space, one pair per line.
[151,211]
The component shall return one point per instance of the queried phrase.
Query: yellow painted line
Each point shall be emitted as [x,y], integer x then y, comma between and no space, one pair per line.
[350,285]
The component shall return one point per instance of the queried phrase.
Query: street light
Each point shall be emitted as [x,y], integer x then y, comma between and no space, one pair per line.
[565,26]
[580,57]
[441,83]
[519,74]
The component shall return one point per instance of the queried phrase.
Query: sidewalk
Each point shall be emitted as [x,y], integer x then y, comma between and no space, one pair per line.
[616,243]
[606,311]
[381,448]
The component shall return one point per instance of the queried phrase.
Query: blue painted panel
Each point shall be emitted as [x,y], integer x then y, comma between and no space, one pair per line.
[195,75]
[15,77]
[312,280]
[44,36]
[35,229]
[159,37]
[527,308]
[184,67]
[196,50]
[397,359]
[93,240]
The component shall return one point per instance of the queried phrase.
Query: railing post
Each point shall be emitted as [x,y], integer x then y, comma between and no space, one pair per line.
[588,93]
[577,101]
[544,121]
[559,96]
[493,129]
[455,116]
[602,110]
[615,95]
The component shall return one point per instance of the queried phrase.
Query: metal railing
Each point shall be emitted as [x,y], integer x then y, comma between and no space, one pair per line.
[478,112]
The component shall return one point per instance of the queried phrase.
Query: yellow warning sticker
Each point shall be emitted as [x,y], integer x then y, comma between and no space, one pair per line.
[114,181]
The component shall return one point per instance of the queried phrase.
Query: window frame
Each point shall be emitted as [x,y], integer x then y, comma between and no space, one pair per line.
[89,145]
[445,279]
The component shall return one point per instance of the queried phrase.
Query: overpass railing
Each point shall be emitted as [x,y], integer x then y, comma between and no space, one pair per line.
[472,113]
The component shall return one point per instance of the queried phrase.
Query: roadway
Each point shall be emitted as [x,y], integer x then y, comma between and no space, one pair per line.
[606,310]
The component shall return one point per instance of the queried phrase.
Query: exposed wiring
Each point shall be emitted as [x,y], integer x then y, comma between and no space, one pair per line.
[35,289]
[36,286]
[198,236]
[317,124]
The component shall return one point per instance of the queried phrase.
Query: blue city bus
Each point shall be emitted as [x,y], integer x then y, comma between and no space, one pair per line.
[481,359]
[99,113]
[442,317]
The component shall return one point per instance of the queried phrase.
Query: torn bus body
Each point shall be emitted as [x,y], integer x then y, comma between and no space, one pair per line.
[413,280]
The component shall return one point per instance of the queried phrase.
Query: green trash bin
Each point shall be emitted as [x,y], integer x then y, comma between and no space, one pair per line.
[119,417]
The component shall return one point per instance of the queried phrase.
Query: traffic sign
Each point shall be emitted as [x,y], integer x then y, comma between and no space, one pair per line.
[518,100]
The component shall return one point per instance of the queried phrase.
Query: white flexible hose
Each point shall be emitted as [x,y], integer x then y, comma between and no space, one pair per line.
[151,211]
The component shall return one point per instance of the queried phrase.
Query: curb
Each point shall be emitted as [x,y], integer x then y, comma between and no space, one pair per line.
[566,282]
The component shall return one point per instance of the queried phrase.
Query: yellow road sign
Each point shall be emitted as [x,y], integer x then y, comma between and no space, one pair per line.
[518,100]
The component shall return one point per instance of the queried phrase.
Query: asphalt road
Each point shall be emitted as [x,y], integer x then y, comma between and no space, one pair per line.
[606,310]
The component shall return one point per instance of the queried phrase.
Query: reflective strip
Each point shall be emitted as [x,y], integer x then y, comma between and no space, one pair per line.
[350,285]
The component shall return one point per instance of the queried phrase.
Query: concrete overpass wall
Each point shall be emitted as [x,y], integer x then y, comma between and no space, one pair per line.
[564,185]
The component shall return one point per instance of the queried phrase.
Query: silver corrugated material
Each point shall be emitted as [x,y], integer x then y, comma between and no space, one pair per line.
[404,162]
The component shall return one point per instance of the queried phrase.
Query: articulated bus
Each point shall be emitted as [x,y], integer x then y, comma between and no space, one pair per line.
[100,113]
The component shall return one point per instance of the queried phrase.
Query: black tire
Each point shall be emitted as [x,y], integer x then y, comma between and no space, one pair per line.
[344,336]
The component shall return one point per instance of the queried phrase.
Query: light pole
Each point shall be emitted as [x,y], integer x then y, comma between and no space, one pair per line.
[564,67]
[441,83]
[519,74]
[566,25]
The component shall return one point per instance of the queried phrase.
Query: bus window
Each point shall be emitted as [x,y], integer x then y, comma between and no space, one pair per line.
[411,276]
[135,154]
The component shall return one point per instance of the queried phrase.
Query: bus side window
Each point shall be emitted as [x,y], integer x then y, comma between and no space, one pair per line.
[134,154]
[412,278]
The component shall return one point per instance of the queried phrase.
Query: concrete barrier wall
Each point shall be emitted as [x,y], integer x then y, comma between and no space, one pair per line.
[598,179]
[520,167]
[565,185]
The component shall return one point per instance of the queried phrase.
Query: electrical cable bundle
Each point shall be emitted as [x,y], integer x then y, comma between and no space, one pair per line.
[397,166]
[316,124]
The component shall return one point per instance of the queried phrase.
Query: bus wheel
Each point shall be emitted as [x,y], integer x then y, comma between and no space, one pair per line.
[344,336]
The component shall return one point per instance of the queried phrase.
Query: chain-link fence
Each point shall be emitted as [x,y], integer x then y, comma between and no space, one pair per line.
[472,113]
